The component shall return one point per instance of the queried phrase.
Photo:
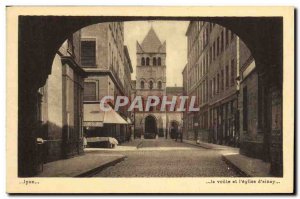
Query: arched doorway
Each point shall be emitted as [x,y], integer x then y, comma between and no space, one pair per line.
[150,127]
[173,129]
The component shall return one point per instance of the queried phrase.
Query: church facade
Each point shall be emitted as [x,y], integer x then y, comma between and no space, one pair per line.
[151,81]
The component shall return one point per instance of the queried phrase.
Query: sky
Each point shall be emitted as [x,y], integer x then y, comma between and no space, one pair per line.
[173,32]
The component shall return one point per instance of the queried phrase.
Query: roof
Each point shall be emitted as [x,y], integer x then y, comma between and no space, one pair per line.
[151,44]
[174,89]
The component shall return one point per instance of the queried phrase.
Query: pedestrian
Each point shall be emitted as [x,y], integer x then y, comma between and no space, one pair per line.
[167,130]
[176,134]
[84,142]
[196,132]
[180,132]
[172,132]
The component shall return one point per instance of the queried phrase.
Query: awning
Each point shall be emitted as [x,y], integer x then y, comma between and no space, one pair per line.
[94,116]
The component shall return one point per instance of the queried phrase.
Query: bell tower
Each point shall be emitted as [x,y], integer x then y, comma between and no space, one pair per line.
[151,65]
[151,81]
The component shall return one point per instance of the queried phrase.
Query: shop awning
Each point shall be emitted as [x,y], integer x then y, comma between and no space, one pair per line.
[94,116]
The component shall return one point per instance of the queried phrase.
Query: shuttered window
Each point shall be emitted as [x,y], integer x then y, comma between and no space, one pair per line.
[90,91]
[88,53]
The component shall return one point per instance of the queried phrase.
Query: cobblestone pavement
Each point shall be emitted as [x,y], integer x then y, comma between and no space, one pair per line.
[167,158]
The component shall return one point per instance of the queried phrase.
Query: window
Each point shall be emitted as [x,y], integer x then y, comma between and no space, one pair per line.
[147,61]
[222,80]
[245,109]
[218,46]
[88,53]
[218,83]
[227,37]
[159,61]
[213,51]
[89,92]
[143,61]
[214,87]
[206,64]
[211,55]
[227,76]
[232,72]
[151,85]
[206,36]
[222,41]
[211,86]
[159,85]
[110,59]
[142,84]
[154,61]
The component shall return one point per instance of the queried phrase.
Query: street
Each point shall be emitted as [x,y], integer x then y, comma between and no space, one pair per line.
[166,158]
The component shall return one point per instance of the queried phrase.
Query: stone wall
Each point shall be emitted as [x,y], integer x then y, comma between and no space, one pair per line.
[55,110]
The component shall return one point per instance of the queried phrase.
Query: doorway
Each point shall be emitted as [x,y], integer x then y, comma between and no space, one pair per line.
[150,127]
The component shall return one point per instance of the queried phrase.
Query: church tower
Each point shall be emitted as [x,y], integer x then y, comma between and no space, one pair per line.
[151,65]
[150,81]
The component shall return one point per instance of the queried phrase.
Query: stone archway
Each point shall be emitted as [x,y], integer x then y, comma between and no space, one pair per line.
[150,127]
[39,41]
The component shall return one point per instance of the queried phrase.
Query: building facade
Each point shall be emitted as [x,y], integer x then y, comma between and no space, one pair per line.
[61,105]
[106,61]
[151,81]
[238,104]
[213,68]
[185,118]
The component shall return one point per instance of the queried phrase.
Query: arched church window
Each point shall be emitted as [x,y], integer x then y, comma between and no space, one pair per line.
[142,84]
[143,61]
[154,61]
[159,61]
[147,61]
[151,85]
[159,85]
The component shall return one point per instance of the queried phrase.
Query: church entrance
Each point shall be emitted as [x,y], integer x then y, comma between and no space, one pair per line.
[174,129]
[150,127]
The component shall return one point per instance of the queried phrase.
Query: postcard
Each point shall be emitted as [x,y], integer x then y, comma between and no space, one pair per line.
[150,100]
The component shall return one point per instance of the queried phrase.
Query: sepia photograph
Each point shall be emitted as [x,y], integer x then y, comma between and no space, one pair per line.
[187,96]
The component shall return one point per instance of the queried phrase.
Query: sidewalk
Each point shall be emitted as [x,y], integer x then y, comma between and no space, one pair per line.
[247,166]
[210,145]
[80,166]
[133,143]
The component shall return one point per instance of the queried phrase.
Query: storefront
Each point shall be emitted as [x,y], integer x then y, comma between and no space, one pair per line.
[101,124]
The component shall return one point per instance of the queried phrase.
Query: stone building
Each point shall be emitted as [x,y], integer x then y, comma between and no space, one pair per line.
[128,89]
[151,81]
[242,99]
[61,105]
[213,67]
[185,124]
[107,63]
[174,118]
